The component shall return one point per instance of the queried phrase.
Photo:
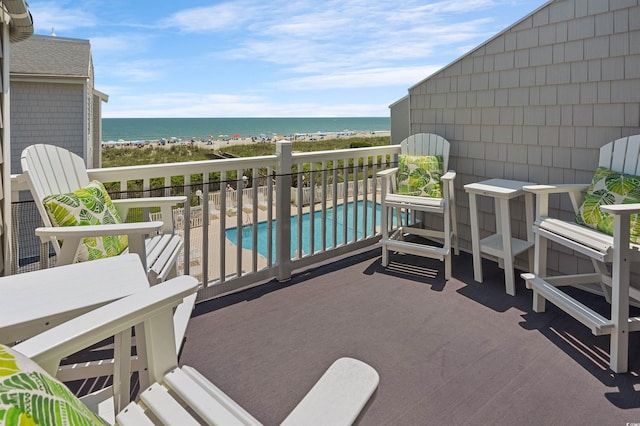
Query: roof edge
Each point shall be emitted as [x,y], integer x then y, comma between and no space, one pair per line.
[483,43]
[21,23]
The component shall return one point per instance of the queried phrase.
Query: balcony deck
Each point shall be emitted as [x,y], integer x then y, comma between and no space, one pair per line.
[448,353]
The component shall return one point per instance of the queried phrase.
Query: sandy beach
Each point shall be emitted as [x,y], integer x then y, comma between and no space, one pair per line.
[220,144]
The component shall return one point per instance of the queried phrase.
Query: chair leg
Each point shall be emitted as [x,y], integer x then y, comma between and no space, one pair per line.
[447,267]
[447,242]
[385,255]
[619,352]
[454,222]
[385,233]
[539,268]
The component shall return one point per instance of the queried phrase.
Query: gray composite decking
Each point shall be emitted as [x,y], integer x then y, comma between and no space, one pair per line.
[458,352]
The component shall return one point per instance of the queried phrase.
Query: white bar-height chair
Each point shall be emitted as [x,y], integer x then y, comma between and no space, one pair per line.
[606,231]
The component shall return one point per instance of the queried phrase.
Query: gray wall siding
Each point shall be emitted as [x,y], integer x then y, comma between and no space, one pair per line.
[400,122]
[536,102]
[46,113]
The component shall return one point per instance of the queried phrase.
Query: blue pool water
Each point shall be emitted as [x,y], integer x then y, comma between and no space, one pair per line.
[247,239]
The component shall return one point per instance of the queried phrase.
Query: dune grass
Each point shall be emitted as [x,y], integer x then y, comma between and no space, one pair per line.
[114,157]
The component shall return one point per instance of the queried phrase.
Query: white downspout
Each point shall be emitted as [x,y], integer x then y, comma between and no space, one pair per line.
[5,145]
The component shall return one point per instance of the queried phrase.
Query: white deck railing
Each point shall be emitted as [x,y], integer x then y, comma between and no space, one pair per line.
[267,214]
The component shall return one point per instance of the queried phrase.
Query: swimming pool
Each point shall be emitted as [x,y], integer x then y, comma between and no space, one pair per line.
[247,239]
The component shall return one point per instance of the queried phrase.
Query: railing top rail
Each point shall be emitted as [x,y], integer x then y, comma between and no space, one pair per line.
[194,167]
[341,153]
[187,166]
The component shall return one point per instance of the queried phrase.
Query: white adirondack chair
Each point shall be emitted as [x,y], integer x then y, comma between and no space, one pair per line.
[393,238]
[180,395]
[52,170]
[621,155]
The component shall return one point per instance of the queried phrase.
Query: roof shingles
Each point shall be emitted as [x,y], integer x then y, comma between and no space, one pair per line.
[51,56]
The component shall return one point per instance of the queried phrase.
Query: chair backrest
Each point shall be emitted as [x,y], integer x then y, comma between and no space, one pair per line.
[52,170]
[427,144]
[622,155]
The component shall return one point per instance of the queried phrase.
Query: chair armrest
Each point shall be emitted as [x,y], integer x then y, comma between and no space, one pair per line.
[73,235]
[65,232]
[49,347]
[620,209]
[450,175]
[387,172]
[574,190]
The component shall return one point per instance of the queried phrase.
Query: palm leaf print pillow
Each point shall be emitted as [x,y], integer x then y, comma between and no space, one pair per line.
[88,206]
[420,175]
[30,396]
[609,187]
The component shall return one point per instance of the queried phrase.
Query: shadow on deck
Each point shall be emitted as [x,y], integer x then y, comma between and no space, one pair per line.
[447,353]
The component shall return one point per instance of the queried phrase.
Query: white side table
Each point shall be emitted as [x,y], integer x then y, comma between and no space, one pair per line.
[501,244]
[36,301]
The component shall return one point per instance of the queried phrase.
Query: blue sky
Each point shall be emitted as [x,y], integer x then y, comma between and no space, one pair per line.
[270,58]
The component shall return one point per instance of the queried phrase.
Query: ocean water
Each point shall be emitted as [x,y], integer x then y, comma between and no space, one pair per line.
[131,129]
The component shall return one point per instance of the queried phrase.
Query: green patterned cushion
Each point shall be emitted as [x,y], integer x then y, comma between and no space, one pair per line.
[420,175]
[88,206]
[609,187]
[30,396]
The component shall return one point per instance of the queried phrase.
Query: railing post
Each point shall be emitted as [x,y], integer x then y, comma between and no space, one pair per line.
[283,210]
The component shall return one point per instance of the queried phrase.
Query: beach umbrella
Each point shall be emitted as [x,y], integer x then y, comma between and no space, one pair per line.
[236,135]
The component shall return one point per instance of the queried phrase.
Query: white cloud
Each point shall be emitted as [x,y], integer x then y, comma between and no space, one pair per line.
[124,43]
[216,105]
[132,71]
[211,18]
[49,14]
[354,34]
[372,77]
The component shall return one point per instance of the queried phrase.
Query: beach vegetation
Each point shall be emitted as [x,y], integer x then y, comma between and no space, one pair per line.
[133,156]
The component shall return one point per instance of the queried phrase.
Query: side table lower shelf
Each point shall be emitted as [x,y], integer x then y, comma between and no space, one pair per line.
[493,245]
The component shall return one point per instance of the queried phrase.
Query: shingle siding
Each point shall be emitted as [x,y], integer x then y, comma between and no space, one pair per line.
[46,113]
[537,101]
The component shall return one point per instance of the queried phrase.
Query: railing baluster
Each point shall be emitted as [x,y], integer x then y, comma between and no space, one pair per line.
[312,208]
[223,225]
[354,205]
[324,206]
[204,260]
[334,226]
[345,201]
[365,197]
[254,220]
[374,196]
[300,203]
[187,225]
[239,227]
[270,200]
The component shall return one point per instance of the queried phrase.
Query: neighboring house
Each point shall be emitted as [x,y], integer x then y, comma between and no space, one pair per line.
[16,26]
[536,102]
[53,99]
